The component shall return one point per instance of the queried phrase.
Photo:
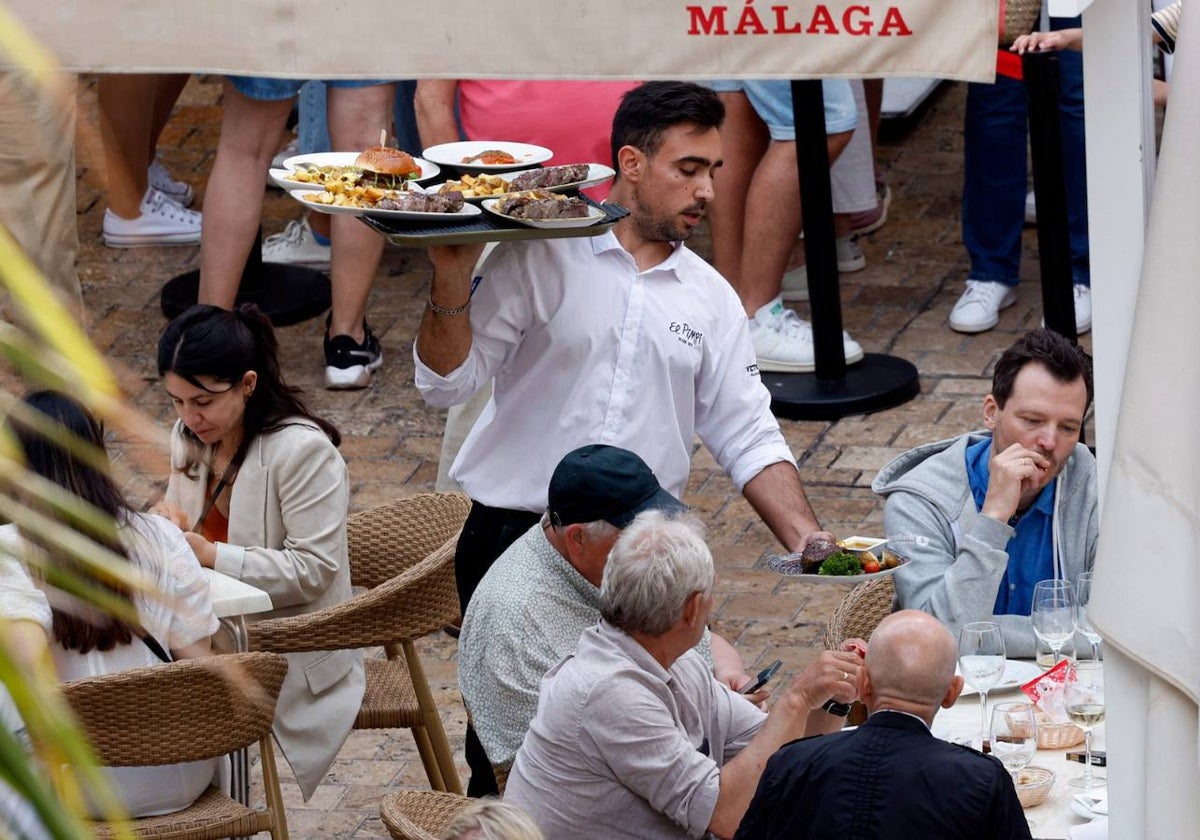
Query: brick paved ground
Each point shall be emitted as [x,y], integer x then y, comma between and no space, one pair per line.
[899,305]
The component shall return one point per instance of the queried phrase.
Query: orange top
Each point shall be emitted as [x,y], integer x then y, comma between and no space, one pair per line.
[216,526]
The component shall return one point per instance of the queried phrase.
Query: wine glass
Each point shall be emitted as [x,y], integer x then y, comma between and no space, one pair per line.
[1084,698]
[1083,594]
[1054,616]
[981,660]
[1014,735]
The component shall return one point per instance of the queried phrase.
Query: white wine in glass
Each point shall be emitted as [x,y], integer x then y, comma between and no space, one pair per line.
[1084,700]
[1053,614]
[981,661]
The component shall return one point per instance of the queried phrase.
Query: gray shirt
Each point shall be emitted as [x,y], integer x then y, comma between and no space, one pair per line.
[525,617]
[622,748]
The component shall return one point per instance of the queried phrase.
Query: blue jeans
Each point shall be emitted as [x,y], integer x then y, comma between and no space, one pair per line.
[313,130]
[993,209]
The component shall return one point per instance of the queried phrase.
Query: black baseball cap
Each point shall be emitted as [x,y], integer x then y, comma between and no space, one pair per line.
[597,482]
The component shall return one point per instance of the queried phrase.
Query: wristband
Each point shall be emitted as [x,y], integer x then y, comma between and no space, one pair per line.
[441,310]
[833,707]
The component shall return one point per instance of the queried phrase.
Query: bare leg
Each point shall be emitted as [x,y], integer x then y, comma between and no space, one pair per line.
[773,221]
[250,133]
[745,141]
[167,88]
[356,116]
[126,117]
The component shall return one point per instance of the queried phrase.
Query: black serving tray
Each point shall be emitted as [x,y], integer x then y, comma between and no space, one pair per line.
[485,228]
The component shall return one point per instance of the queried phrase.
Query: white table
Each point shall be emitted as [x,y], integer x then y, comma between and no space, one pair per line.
[1053,817]
[233,600]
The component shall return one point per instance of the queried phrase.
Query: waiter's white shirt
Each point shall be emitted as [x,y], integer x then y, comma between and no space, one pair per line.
[585,349]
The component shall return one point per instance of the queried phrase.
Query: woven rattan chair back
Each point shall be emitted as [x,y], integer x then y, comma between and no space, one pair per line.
[420,814]
[418,598]
[188,710]
[860,611]
[389,538]
[185,711]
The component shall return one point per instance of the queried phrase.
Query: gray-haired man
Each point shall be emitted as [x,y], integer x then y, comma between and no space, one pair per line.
[633,738]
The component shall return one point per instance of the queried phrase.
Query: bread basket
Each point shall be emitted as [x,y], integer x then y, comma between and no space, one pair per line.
[1033,786]
[1057,736]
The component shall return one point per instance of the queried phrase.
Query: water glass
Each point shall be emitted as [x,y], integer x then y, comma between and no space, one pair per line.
[1014,735]
[981,661]
[1053,614]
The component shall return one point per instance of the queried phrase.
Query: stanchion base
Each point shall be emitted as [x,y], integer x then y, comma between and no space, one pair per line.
[875,383]
[287,294]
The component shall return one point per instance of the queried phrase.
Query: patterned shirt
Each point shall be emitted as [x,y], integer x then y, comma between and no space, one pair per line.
[526,616]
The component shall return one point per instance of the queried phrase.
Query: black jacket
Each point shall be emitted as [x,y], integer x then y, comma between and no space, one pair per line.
[890,778]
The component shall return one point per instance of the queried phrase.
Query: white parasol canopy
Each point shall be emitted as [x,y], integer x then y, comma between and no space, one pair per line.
[1146,599]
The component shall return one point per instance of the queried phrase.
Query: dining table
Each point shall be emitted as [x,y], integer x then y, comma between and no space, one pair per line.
[1054,818]
[232,601]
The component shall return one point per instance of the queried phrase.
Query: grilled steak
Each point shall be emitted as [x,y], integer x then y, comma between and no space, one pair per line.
[551,176]
[553,207]
[450,202]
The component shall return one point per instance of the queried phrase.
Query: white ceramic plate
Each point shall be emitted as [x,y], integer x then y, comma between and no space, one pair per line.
[1017,672]
[594,215]
[452,154]
[280,176]
[789,566]
[598,173]
[465,213]
[1086,804]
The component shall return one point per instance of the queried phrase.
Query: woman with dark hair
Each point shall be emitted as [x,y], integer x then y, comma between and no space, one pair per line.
[177,615]
[261,492]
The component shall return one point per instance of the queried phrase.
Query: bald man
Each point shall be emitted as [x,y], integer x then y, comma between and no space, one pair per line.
[890,778]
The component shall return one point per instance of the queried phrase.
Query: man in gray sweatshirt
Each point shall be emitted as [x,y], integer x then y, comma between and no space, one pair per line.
[984,516]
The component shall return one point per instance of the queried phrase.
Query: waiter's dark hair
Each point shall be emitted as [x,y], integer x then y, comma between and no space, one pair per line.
[650,109]
[1064,359]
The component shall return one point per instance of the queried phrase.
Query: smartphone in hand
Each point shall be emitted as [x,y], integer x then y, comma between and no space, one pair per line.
[764,676]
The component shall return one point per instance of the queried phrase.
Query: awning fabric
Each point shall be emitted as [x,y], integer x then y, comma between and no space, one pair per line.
[593,39]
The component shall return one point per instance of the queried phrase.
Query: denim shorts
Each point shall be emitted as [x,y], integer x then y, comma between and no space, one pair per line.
[273,90]
[772,101]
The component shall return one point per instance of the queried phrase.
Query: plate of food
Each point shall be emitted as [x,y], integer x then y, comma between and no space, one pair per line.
[545,210]
[825,562]
[1017,672]
[487,155]
[392,204]
[576,176]
[379,166]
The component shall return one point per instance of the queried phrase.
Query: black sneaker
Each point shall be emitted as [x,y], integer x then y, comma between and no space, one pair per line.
[349,364]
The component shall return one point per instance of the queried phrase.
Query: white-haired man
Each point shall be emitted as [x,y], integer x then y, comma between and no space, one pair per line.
[633,738]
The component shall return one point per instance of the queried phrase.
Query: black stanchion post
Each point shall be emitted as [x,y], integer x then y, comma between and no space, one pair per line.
[1040,71]
[834,389]
[820,248]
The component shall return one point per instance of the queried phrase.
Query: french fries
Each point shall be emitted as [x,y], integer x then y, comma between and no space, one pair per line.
[342,194]
[477,186]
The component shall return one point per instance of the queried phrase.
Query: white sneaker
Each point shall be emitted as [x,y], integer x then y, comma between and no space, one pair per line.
[979,307]
[783,341]
[1083,308]
[161,180]
[162,222]
[296,246]
[850,259]
[1030,208]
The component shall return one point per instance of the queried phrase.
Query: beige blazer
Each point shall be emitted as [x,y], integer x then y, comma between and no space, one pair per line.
[287,536]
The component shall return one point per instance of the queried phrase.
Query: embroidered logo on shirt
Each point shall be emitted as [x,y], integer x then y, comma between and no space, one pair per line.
[686,335]
[752,369]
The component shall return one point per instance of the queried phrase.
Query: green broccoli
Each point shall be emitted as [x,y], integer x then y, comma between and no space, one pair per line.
[841,563]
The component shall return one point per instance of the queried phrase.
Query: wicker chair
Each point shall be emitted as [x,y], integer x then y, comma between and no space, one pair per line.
[420,814]
[403,552]
[860,611]
[188,710]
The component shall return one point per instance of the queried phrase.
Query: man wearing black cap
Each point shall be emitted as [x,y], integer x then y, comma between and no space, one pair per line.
[543,592]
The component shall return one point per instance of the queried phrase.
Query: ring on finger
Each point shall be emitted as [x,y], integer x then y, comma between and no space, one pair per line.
[845,676]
